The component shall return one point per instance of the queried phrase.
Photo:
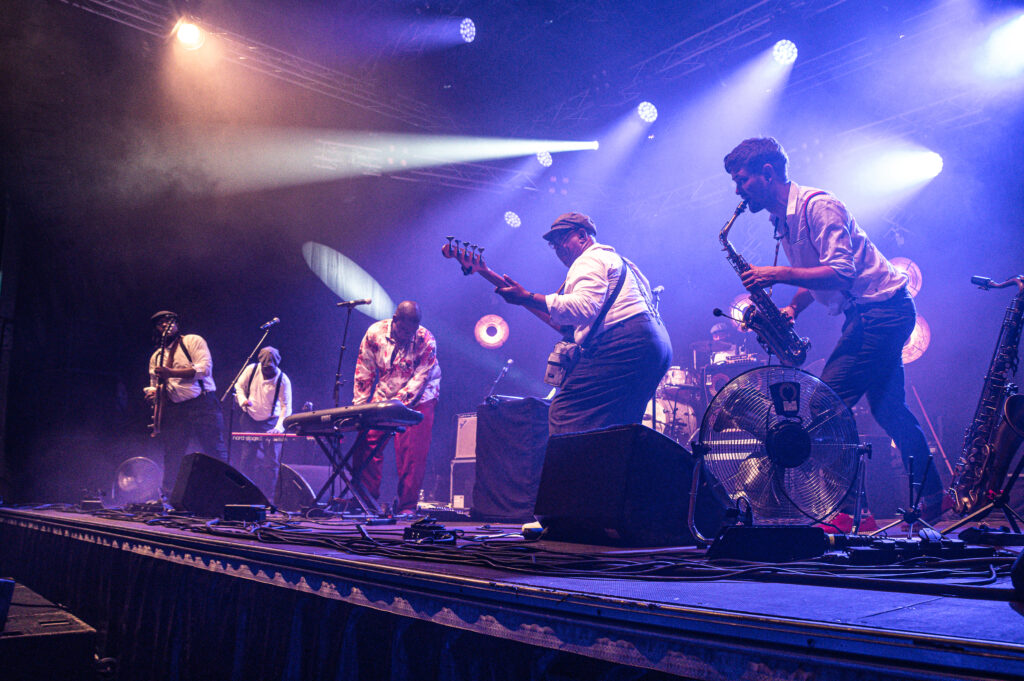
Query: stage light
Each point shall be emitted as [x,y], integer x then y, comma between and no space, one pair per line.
[918,342]
[647,112]
[544,158]
[347,279]
[467,29]
[913,272]
[190,36]
[737,308]
[491,331]
[512,220]
[1003,54]
[784,52]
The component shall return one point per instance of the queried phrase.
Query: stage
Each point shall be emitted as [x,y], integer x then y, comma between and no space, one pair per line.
[180,597]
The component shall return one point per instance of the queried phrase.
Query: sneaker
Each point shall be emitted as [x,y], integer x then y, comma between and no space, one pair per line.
[843,523]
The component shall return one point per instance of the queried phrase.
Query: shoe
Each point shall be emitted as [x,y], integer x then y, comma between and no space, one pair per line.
[842,523]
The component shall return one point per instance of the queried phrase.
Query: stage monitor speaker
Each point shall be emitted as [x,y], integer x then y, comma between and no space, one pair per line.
[205,485]
[293,493]
[626,485]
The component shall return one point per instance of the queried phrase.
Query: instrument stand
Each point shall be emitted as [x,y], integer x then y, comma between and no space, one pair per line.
[341,354]
[1000,503]
[342,471]
[912,514]
[863,453]
[230,390]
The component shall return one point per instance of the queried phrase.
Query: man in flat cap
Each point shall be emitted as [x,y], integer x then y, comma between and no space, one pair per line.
[181,379]
[609,307]
[264,393]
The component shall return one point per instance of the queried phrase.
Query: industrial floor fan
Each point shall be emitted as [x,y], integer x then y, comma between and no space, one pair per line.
[781,445]
[137,481]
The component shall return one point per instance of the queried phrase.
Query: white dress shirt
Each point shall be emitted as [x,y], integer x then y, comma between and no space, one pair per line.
[261,394]
[181,389]
[819,230]
[591,279]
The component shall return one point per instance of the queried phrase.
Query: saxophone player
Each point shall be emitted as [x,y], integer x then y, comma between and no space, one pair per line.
[832,261]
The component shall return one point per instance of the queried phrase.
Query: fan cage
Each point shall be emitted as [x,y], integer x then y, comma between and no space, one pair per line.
[734,435]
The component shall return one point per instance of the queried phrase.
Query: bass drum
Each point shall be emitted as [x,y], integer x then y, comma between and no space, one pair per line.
[679,383]
[677,419]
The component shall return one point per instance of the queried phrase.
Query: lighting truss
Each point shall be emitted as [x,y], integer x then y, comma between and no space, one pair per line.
[157,18]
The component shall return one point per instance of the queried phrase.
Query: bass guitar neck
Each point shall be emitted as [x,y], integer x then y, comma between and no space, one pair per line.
[471,258]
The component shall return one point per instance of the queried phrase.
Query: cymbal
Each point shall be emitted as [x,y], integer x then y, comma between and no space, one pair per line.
[711,346]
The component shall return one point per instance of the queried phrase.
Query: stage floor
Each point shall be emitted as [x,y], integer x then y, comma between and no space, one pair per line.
[668,609]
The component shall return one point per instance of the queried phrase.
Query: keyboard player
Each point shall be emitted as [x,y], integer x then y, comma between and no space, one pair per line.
[264,393]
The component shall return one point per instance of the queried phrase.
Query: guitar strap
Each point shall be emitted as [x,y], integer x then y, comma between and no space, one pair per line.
[202,386]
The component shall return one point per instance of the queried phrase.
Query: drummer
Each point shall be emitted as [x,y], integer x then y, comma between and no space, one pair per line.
[723,343]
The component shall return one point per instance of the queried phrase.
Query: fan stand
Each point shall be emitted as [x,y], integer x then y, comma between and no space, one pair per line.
[1000,503]
[912,515]
[863,453]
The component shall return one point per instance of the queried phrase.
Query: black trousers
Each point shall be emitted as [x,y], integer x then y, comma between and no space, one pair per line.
[199,418]
[868,360]
[615,378]
[260,461]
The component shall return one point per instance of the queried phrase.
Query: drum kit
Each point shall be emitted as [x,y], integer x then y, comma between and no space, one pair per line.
[685,392]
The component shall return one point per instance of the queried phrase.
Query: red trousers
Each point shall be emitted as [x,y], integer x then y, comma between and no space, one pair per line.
[411,449]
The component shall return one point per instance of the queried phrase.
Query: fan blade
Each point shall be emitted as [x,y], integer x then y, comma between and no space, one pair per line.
[747,409]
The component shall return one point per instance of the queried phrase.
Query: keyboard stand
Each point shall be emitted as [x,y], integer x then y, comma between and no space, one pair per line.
[342,470]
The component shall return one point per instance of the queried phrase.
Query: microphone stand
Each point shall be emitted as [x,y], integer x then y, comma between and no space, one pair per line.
[341,353]
[231,389]
[501,375]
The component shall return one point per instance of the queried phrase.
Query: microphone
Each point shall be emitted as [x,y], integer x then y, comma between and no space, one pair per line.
[658,290]
[269,324]
[718,313]
[353,303]
[981,282]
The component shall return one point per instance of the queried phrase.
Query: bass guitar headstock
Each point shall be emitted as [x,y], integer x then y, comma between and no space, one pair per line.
[469,256]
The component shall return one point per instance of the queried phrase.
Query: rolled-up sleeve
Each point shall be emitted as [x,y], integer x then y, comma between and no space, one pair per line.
[832,237]
[202,361]
[586,286]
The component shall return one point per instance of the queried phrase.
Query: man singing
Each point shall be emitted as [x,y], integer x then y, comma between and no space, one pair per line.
[832,261]
[264,393]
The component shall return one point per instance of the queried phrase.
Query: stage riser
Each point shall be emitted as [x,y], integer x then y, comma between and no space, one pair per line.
[170,605]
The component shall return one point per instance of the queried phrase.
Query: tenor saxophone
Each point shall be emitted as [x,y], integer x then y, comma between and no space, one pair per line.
[773,330]
[995,434]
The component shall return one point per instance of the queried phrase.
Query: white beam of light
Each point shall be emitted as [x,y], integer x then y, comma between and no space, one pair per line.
[1002,56]
[347,280]
[897,170]
[223,161]
[392,153]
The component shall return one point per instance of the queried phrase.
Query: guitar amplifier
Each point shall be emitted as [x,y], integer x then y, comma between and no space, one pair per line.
[465,436]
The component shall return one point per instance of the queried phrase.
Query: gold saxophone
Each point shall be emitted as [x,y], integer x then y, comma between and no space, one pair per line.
[773,329]
[997,430]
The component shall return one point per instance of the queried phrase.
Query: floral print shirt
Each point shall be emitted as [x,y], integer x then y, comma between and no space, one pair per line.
[386,370]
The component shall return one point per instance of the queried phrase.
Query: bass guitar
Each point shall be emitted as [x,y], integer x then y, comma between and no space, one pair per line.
[471,258]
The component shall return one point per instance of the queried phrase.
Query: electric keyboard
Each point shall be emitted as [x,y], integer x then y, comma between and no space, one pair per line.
[390,415]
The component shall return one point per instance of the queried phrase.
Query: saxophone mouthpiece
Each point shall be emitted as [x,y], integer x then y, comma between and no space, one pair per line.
[742,207]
